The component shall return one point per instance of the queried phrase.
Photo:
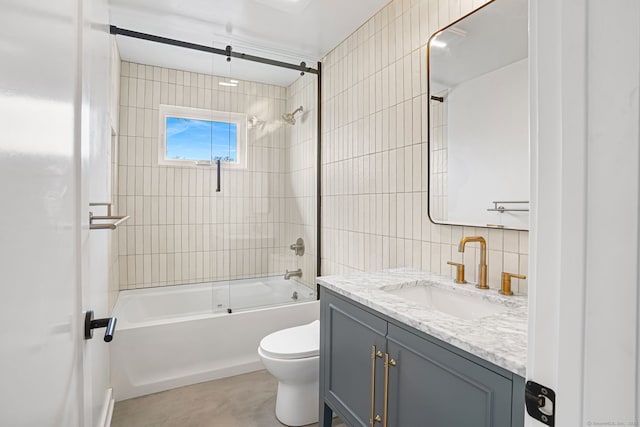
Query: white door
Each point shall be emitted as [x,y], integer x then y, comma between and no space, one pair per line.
[54,134]
[41,358]
[585,150]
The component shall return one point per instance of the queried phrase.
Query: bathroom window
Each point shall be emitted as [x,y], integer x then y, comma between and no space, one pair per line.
[193,136]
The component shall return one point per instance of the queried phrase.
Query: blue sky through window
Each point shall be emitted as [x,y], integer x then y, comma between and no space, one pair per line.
[192,139]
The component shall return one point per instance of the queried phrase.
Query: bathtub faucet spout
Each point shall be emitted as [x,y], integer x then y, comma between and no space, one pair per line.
[295,273]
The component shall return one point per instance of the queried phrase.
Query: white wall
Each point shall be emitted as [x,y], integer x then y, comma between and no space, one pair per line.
[488,146]
[114,116]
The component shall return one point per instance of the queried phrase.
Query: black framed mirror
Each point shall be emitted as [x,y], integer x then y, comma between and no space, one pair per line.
[479,118]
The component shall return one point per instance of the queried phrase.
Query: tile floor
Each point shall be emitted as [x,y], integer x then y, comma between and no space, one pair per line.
[243,401]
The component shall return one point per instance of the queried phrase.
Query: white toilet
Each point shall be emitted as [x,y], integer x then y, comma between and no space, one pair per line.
[292,356]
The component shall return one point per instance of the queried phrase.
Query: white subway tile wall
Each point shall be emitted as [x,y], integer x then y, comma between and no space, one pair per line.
[374,154]
[181,230]
[301,158]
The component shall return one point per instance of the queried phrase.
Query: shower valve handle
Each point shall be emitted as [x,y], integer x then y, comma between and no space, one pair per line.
[298,247]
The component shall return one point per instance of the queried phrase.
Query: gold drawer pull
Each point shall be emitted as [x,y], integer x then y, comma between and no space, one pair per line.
[374,354]
[387,362]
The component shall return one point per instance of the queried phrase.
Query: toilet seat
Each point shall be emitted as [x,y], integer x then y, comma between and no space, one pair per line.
[293,343]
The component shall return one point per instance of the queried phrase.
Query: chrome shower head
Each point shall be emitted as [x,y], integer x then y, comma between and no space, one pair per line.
[291,118]
[288,118]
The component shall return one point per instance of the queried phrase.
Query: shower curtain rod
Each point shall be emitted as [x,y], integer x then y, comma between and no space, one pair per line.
[228,52]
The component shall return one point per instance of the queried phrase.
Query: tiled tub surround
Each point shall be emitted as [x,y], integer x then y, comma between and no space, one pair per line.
[301,156]
[499,338]
[181,230]
[374,154]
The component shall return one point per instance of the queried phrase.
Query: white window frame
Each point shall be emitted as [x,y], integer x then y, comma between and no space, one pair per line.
[239,119]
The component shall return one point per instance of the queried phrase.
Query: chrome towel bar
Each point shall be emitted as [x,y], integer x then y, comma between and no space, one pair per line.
[118,219]
[498,206]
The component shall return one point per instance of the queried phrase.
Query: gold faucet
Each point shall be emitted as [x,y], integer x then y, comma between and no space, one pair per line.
[482,267]
[506,282]
[459,272]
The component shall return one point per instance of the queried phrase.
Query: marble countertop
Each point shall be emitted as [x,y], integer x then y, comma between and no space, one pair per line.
[499,338]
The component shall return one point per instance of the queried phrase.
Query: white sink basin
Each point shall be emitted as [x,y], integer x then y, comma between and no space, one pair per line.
[453,303]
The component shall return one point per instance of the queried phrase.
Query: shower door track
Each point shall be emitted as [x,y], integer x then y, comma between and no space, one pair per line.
[228,52]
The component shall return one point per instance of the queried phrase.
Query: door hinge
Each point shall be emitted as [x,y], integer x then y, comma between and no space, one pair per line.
[541,402]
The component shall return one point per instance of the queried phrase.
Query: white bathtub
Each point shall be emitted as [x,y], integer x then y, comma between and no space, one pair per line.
[173,336]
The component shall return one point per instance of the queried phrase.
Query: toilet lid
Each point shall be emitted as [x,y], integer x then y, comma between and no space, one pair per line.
[293,343]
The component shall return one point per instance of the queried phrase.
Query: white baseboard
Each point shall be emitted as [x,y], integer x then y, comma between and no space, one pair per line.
[107,409]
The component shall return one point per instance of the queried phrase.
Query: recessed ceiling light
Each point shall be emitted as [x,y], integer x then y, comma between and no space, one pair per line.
[233,81]
[437,43]
[287,6]
[228,84]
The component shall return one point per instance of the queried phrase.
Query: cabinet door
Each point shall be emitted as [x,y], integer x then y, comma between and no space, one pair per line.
[432,387]
[348,335]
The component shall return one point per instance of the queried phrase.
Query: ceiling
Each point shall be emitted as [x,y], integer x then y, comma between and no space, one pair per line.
[286,30]
[491,38]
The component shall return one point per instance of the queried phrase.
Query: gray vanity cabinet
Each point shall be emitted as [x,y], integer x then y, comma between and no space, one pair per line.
[350,339]
[430,386]
[427,385]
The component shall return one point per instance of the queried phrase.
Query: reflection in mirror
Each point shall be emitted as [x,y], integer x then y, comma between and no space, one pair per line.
[478,119]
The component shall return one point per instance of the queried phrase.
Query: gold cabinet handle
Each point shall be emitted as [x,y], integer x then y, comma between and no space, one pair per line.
[387,362]
[374,354]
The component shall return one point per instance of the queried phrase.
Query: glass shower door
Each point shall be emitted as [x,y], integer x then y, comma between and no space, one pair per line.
[212,97]
[228,134]
[252,182]
[266,216]
[261,188]
[221,164]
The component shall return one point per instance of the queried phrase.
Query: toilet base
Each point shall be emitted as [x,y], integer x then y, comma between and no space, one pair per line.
[297,405]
